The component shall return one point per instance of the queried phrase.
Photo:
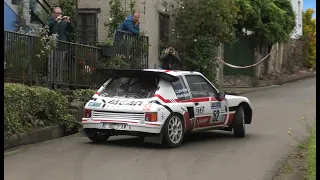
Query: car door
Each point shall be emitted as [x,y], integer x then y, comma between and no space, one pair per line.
[202,96]
[220,111]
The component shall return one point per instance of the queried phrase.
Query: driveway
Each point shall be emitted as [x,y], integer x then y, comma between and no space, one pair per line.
[212,155]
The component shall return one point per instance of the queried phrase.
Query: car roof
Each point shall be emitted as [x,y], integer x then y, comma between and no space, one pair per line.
[174,72]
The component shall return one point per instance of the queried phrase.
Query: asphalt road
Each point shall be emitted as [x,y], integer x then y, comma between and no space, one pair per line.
[210,155]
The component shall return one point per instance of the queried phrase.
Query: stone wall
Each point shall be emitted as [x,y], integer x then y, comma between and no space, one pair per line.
[284,57]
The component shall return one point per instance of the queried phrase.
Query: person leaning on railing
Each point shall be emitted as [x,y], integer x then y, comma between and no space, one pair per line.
[131,24]
[127,34]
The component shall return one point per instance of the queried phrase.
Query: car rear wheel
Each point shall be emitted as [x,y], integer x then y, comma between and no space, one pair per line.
[96,137]
[173,131]
[239,125]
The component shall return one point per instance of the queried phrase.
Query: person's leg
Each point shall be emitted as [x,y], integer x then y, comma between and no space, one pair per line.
[51,72]
[61,65]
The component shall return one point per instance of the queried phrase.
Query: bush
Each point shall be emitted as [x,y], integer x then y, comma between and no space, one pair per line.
[83,95]
[28,108]
[311,155]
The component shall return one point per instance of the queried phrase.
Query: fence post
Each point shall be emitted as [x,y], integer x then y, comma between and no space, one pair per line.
[220,68]
[30,52]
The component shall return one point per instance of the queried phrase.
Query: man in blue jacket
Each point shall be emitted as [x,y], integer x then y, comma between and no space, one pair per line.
[131,24]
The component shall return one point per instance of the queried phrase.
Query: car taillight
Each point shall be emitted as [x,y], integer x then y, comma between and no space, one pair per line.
[86,113]
[151,117]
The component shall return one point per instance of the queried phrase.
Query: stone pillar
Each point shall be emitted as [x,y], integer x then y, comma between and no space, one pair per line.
[256,69]
[280,56]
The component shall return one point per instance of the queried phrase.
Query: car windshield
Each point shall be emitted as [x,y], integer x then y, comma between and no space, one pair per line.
[130,87]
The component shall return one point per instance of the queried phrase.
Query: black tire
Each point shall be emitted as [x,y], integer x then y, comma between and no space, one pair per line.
[167,141]
[95,137]
[239,129]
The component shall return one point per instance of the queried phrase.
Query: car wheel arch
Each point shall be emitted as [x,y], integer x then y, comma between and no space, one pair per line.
[179,115]
[247,112]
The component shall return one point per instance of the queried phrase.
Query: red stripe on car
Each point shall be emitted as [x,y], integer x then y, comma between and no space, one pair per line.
[205,99]
[187,121]
[113,121]
[231,118]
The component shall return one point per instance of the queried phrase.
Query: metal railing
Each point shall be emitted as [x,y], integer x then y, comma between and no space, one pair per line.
[69,65]
[134,49]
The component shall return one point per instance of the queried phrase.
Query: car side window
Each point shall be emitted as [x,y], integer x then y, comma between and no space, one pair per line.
[200,87]
[180,89]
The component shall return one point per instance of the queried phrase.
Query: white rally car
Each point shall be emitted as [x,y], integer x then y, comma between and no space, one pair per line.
[166,104]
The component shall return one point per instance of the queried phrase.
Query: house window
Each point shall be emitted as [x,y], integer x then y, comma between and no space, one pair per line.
[163,31]
[87,26]
[16,2]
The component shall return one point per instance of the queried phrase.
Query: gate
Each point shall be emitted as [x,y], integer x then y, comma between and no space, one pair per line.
[241,53]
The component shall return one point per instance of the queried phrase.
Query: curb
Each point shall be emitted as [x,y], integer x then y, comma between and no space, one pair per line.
[257,89]
[274,83]
[287,80]
[41,135]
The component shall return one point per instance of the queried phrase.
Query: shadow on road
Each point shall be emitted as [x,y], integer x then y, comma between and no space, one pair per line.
[190,139]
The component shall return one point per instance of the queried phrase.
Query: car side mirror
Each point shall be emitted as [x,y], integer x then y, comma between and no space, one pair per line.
[221,95]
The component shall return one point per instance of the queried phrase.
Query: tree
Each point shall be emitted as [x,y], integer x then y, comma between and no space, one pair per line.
[270,21]
[309,37]
[201,25]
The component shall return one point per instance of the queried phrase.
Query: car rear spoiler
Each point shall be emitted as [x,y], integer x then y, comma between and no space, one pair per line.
[109,73]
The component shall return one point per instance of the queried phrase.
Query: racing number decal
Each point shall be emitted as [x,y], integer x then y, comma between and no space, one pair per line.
[147,107]
[215,115]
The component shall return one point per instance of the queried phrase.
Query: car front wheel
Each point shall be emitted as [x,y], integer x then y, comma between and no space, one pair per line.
[173,131]
[239,125]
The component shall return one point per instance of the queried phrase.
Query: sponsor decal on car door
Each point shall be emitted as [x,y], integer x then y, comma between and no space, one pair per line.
[219,111]
[202,112]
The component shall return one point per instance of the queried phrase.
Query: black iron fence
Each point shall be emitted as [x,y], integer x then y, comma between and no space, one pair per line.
[134,49]
[69,64]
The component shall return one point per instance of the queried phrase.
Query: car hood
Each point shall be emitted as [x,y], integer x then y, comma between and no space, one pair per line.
[235,100]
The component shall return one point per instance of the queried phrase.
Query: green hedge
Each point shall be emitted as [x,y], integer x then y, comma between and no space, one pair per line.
[83,95]
[28,108]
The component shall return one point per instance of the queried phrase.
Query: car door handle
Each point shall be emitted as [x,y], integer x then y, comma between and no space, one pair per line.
[196,104]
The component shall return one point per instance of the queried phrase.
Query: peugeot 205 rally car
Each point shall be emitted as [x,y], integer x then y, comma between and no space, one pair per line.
[166,104]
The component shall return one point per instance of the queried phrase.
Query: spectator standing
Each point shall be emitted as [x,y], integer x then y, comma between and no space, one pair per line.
[61,26]
[170,59]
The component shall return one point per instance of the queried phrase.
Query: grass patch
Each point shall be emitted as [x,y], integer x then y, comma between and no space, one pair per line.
[311,155]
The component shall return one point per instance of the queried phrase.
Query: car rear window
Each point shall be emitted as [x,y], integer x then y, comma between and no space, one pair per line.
[130,87]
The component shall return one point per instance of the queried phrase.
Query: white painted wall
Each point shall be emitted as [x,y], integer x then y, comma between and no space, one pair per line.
[297,6]
[26,13]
